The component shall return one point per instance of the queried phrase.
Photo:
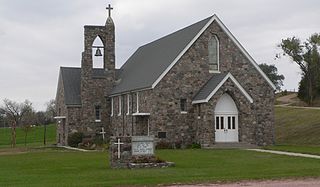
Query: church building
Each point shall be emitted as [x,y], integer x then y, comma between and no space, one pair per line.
[195,85]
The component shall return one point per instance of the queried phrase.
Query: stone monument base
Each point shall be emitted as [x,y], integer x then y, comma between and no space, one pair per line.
[134,152]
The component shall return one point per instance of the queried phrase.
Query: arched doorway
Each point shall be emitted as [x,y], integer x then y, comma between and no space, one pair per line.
[226,120]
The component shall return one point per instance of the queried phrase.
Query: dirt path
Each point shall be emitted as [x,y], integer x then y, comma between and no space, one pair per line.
[266,183]
[12,151]
[287,99]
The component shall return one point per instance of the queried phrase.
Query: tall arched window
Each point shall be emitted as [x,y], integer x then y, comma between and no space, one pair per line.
[97,57]
[213,51]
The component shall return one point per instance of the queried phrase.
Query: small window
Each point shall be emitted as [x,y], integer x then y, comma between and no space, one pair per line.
[222,122]
[120,106]
[229,122]
[183,105]
[217,123]
[128,104]
[213,51]
[111,106]
[233,122]
[98,113]
[162,134]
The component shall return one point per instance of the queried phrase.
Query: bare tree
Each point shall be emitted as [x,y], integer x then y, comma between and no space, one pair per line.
[16,112]
[49,117]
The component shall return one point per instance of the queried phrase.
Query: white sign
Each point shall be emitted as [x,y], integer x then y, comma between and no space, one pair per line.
[142,145]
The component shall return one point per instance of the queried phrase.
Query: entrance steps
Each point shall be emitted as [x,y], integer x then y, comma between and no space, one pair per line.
[232,145]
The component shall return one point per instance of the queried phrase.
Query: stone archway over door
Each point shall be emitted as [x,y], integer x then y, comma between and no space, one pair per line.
[226,120]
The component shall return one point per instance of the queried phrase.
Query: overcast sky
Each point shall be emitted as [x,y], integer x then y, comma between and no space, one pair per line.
[39,36]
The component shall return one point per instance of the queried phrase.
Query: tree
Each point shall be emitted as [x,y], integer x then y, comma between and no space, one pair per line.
[272,72]
[16,113]
[50,111]
[49,117]
[307,56]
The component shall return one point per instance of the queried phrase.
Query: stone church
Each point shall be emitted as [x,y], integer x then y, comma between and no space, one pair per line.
[195,85]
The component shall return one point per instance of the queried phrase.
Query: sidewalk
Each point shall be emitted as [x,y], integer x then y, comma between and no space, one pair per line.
[286,153]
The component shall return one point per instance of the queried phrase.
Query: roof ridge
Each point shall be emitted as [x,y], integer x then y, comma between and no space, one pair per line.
[172,33]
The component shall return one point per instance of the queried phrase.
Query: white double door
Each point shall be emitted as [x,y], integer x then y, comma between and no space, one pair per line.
[226,128]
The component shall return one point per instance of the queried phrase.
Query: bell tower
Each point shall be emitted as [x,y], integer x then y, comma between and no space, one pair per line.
[97,82]
[106,34]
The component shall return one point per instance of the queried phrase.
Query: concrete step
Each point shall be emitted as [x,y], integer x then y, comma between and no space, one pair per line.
[232,145]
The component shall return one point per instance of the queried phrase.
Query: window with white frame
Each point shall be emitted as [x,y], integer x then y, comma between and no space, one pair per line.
[137,94]
[111,106]
[128,104]
[183,105]
[97,111]
[213,51]
[120,106]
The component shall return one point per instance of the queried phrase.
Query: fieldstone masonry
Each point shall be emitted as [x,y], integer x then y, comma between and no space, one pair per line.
[135,152]
[157,110]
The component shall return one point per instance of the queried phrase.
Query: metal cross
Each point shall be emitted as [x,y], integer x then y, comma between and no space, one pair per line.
[119,144]
[109,8]
[102,132]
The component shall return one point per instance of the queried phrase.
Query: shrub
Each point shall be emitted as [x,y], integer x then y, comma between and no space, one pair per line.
[163,145]
[195,146]
[75,138]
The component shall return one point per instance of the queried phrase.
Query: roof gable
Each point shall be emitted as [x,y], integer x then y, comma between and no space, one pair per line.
[213,85]
[151,62]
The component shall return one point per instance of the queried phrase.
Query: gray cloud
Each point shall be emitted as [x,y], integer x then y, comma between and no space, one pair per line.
[39,36]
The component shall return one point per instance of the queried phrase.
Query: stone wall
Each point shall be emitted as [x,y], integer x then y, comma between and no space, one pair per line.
[94,87]
[61,110]
[185,79]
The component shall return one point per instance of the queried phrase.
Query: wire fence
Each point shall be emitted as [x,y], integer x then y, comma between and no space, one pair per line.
[34,136]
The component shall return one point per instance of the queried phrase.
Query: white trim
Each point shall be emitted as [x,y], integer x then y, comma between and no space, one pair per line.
[234,80]
[182,52]
[183,112]
[97,120]
[141,114]
[111,106]
[119,114]
[229,34]
[137,111]
[60,117]
[211,71]
[242,49]
[130,91]
[128,104]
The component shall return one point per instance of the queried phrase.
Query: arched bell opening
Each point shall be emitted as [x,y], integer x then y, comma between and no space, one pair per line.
[97,53]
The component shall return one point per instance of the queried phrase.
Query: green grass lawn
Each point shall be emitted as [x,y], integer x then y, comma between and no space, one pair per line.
[34,138]
[315,150]
[297,126]
[67,168]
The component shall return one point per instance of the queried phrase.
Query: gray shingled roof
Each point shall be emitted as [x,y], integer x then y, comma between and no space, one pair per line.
[71,85]
[212,83]
[71,77]
[143,68]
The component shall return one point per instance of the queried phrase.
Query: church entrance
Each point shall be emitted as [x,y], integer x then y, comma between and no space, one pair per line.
[226,120]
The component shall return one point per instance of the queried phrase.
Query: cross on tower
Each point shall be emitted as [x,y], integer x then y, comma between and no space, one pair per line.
[119,144]
[109,8]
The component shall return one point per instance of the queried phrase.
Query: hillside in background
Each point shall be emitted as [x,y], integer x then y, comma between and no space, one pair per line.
[297,126]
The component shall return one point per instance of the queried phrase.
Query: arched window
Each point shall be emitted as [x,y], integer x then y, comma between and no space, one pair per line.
[97,53]
[213,51]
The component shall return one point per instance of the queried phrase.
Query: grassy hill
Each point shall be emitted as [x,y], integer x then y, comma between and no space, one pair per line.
[297,126]
[34,138]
